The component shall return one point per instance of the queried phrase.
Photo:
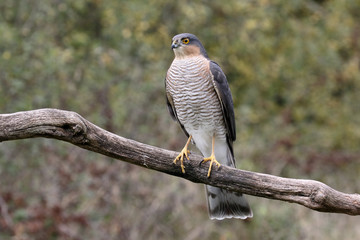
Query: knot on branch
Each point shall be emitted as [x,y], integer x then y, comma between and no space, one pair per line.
[74,130]
[318,196]
[71,127]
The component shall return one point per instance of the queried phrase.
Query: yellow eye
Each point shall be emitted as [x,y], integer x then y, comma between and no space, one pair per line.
[185,40]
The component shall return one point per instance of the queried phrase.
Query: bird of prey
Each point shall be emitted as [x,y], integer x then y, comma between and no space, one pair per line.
[199,98]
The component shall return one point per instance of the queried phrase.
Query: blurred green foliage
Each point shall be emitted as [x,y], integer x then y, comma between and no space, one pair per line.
[293,68]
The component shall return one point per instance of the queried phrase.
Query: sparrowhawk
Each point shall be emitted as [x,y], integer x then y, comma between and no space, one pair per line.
[199,98]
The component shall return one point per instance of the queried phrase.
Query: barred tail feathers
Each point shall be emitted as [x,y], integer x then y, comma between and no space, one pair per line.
[225,204]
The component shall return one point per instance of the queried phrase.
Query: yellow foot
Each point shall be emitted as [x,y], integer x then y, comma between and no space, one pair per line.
[212,160]
[185,152]
[180,157]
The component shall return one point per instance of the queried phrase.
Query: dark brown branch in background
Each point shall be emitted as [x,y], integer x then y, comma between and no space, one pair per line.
[72,128]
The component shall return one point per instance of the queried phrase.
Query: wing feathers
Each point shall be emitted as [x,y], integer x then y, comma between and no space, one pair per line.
[223,91]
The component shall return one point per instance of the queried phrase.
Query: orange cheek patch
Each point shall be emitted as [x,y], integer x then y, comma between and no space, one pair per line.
[191,50]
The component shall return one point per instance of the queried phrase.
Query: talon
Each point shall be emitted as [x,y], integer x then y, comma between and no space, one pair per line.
[212,158]
[184,152]
[180,157]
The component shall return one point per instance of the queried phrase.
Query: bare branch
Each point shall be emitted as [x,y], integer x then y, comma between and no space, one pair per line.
[72,128]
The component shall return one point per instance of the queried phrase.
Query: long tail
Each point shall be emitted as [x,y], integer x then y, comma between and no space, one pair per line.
[226,204]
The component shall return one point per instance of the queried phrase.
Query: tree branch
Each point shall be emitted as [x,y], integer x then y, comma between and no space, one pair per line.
[72,128]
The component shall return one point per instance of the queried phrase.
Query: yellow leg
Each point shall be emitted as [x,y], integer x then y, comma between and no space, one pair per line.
[212,158]
[184,152]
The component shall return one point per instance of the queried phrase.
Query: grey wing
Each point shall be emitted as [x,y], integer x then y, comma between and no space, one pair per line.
[172,110]
[223,91]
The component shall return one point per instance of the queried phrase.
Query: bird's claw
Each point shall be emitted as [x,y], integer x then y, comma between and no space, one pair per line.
[212,160]
[185,152]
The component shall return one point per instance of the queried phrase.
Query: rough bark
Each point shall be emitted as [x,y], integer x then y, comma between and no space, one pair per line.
[72,128]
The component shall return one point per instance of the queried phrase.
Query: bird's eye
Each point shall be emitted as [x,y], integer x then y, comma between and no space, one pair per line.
[185,40]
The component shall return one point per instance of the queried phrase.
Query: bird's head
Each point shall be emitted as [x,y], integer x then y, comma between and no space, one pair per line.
[187,45]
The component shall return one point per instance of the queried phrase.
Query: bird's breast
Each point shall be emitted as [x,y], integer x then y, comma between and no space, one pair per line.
[190,83]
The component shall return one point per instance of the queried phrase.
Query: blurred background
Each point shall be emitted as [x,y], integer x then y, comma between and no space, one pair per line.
[293,68]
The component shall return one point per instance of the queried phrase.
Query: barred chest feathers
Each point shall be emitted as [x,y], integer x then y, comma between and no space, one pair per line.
[190,83]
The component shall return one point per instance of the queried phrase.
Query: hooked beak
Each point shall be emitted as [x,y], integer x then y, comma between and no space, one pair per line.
[175,44]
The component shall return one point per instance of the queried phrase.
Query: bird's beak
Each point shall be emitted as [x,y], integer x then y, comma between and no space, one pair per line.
[175,44]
